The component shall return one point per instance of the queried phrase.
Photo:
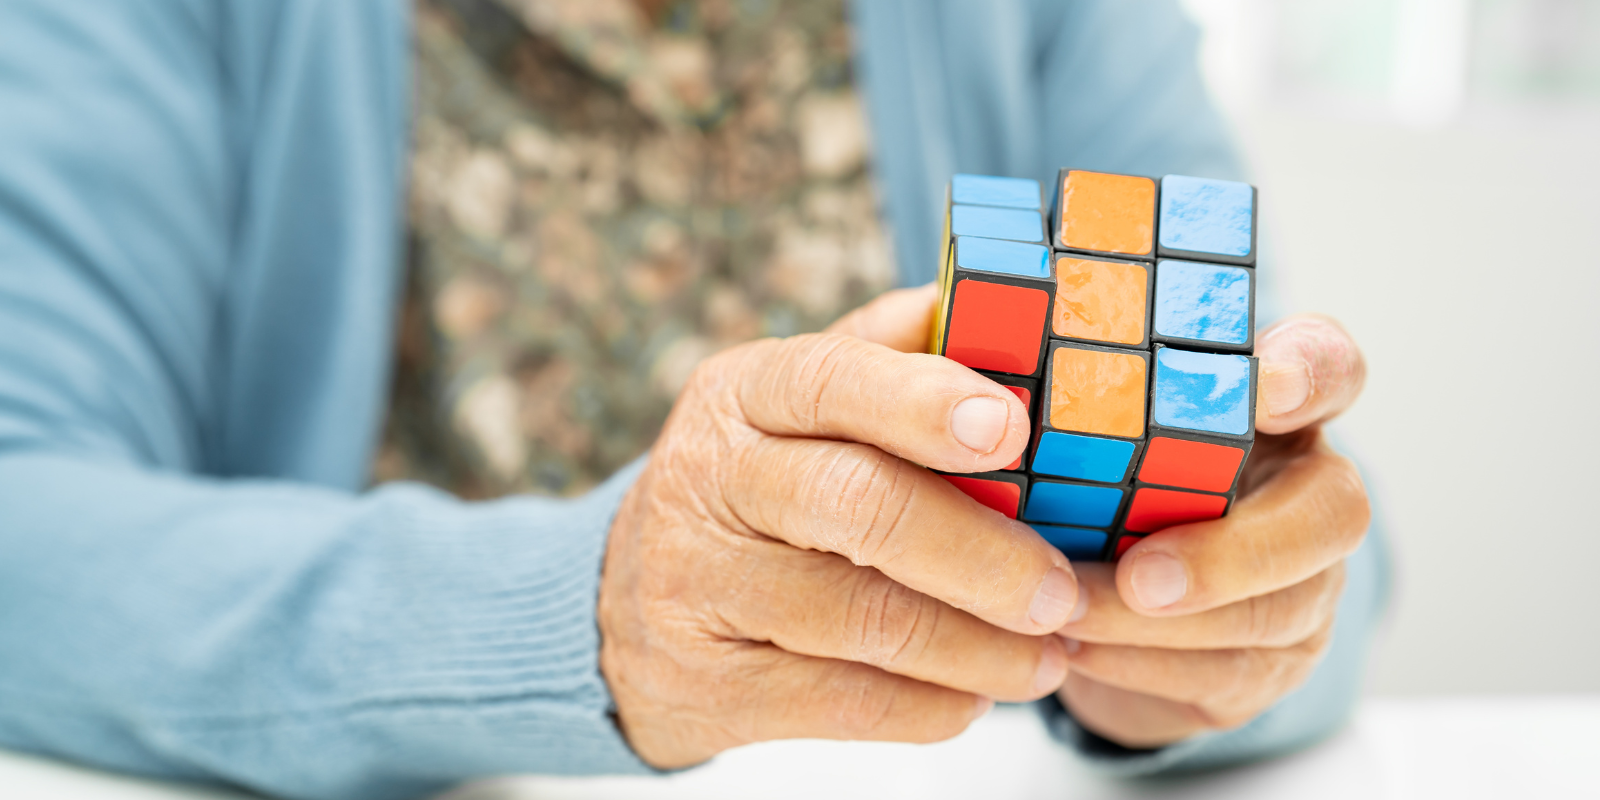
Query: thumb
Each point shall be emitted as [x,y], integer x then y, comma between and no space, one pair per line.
[1311,371]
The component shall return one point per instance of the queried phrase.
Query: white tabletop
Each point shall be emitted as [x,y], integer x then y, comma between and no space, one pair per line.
[1543,747]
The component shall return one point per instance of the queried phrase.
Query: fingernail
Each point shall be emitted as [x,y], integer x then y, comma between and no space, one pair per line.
[1053,604]
[982,706]
[980,423]
[1052,667]
[1285,386]
[1073,646]
[1158,580]
[1080,610]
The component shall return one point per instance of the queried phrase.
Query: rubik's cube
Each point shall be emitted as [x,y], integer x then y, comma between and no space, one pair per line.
[1124,318]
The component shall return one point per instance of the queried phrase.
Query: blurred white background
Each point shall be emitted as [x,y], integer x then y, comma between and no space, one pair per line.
[1430,174]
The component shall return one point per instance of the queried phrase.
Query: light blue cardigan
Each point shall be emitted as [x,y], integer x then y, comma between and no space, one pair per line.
[200,228]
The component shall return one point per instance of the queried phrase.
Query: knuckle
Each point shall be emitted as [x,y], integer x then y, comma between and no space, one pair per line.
[1265,624]
[814,363]
[868,712]
[889,624]
[1253,678]
[1263,675]
[1332,590]
[896,712]
[871,492]
[1313,649]
[1350,495]
[1260,674]
[1242,678]
[1294,665]
[1291,616]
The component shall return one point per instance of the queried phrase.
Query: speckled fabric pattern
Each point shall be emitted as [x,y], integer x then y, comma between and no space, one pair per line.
[604,193]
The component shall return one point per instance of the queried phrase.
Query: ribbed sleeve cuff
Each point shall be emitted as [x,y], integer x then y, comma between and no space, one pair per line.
[447,641]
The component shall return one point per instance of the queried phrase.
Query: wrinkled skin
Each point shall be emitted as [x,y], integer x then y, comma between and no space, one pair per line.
[784,568]
[1235,613]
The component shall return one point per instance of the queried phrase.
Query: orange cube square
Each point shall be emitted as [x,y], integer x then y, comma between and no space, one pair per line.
[1097,212]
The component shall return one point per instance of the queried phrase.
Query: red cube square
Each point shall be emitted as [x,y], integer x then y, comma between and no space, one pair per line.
[997,327]
[1155,509]
[1001,496]
[1126,542]
[1190,465]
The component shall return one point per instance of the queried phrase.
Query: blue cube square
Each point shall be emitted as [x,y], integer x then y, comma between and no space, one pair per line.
[1206,392]
[997,223]
[1073,504]
[1085,458]
[1203,302]
[1203,215]
[990,190]
[1079,544]
[1004,257]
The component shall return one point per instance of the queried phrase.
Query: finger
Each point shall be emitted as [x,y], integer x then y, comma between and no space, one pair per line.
[920,407]
[1226,687]
[883,512]
[1279,619]
[1308,516]
[801,697]
[898,319]
[819,604]
[1311,371]
[1130,719]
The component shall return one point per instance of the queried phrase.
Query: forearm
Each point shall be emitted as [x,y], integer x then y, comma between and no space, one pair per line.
[300,641]
[198,254]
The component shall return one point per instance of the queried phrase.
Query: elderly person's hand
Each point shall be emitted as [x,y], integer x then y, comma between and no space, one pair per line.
[784,568]
[1204,626]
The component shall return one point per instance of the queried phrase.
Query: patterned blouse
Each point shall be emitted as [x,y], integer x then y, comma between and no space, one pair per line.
[605,192]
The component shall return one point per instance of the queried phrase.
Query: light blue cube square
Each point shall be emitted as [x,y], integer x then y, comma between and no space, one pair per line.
[991,190]
[1205,302]
[1001,256]
[1202,391]
[1084,458]
[997,223]
[1079,544]
[1073,504]
[1205,215]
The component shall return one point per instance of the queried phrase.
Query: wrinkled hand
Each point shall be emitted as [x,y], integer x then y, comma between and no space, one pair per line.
[1204,626]
[783,568]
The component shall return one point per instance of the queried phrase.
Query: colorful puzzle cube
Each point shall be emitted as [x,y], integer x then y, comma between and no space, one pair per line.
[1125,321]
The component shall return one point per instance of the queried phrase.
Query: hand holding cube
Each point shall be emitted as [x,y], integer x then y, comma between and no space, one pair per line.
[783,567]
